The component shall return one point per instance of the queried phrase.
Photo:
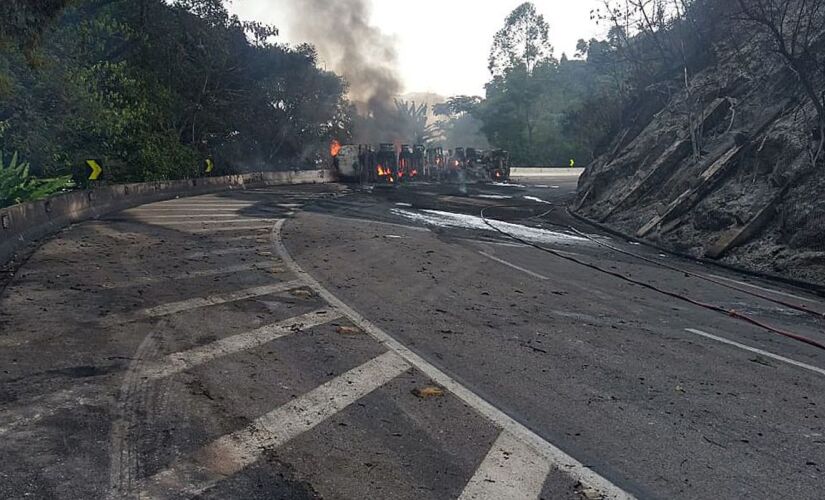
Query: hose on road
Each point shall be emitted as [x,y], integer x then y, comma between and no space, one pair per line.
[789,305]
[712,307]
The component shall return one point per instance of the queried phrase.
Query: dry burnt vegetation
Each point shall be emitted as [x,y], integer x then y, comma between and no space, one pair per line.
[722,154]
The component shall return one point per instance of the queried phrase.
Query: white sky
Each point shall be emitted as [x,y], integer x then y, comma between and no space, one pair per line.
[443,45]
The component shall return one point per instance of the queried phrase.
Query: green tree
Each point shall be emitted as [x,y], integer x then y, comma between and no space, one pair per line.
[521,59]
[523,42]
[153,87]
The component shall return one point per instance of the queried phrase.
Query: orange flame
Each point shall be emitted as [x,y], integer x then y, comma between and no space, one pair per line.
[334,148]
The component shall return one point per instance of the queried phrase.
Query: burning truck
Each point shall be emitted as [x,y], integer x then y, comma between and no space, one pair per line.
[395,164]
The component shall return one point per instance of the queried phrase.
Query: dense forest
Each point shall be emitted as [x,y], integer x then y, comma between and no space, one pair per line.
[154,88]
[547,111]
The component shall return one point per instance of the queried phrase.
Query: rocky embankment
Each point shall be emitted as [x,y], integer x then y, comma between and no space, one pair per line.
[722,169]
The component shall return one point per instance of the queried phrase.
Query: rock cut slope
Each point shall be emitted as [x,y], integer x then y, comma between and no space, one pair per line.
[722,170]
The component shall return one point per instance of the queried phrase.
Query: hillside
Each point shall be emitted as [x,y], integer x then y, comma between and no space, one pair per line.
[723,168]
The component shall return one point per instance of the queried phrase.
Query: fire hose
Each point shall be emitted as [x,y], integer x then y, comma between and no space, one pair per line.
[712,307]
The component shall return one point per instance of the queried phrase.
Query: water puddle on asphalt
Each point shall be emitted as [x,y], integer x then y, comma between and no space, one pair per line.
[493,196]
[462,221]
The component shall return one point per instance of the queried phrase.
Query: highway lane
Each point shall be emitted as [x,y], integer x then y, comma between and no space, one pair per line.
[629,381]
[331,342]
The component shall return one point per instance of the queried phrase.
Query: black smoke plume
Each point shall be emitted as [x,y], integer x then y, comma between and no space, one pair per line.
[360,52]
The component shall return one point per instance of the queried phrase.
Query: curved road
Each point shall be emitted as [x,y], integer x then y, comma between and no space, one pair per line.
[331,342]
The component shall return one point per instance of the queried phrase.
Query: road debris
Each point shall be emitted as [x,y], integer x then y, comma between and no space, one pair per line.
[428,392]
[349,330]
[302,293]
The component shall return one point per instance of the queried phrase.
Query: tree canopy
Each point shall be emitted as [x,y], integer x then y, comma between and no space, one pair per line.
[155,87]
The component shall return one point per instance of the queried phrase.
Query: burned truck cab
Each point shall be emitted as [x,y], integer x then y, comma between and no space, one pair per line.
[405,163]
[386,168]
[418,161]
[498,165]
[434,163]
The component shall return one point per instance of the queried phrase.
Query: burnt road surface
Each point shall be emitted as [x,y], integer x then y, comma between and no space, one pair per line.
[422,342]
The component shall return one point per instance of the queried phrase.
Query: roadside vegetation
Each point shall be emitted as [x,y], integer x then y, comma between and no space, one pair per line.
[152,89]
[17,184]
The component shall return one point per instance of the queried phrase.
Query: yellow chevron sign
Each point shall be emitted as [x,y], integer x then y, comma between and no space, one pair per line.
[96,169]
[209,166]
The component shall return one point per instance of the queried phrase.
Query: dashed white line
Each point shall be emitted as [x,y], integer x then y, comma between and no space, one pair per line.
[754,350]
[197,303]
[186,360]
[230,454]
[513,266]
[555,456]
[510,470]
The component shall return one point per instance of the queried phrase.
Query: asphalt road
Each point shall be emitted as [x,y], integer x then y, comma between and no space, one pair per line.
[337,342]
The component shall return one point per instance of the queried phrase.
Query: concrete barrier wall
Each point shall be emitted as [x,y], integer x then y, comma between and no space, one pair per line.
[27,222]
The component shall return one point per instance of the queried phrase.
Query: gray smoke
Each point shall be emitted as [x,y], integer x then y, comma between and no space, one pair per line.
[358,51]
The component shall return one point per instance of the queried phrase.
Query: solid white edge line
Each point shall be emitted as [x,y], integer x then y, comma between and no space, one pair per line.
[513,266]
[756,351]
[558,458]
[510,470]
[231,453]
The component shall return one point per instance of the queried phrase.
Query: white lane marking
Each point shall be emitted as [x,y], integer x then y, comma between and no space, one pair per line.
[510,470]
[231,453]
[777,292]
[754,350]
[201,222]
[186,360]
[227,229]
[223,252]
[252,238]
[194,208]
[513,266]
[143,216]
[141,280]
[204,206]
[203,201]
[197,303]
[557,458]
